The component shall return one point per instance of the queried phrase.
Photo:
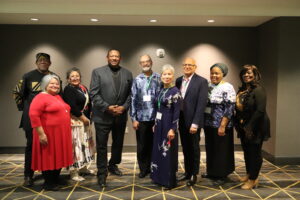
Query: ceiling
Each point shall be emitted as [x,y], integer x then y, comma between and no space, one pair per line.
[139,12]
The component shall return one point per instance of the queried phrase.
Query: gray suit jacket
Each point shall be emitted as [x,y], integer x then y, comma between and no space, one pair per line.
[103,93]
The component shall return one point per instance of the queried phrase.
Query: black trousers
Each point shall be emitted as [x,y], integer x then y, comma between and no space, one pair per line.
[190,148]
[253,157]
[117,129]
[28,172]
[144,138]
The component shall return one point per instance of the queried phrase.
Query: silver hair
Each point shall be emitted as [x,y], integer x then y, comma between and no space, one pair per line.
[46,79]
[168,67]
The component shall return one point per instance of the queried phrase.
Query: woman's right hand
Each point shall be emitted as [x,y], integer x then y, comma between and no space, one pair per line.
[43,139]
[85,120]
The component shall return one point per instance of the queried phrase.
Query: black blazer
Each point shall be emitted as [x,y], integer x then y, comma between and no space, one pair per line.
[194,101]
[103,93]
[254,115]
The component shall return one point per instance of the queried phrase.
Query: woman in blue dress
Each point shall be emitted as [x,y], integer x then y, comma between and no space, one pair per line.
[164,162]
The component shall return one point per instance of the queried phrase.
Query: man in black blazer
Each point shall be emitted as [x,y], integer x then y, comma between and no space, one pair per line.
[194,91]
[110,92]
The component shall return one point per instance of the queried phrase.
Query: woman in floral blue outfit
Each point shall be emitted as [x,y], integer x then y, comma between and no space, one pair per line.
[164,162]
[219,125]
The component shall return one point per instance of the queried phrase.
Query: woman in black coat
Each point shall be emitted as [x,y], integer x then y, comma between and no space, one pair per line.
[252,122]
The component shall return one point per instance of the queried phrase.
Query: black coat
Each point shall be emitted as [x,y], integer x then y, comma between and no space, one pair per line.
[254,116]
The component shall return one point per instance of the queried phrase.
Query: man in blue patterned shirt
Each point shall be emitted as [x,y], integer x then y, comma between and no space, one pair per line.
[145,88]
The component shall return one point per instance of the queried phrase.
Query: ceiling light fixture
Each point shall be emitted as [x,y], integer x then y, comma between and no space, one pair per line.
[153,20]
[211,21]
[94,20]
[34,19]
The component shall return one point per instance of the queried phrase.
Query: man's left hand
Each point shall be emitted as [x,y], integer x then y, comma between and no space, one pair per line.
[193,130]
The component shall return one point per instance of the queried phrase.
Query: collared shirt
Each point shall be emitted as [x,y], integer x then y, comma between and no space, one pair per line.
[185,84]
[143,93]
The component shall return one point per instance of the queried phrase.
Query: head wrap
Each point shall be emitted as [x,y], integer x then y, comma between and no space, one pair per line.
[38,55]
[222,67]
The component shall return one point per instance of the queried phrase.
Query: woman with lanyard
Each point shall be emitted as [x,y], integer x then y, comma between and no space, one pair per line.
[218,125]
[164,160]
[76,95]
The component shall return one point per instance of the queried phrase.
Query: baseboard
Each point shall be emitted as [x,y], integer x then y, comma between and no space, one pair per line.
[281,160]
[12,150]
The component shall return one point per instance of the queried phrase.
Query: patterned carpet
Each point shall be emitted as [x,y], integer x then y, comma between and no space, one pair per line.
[275,182]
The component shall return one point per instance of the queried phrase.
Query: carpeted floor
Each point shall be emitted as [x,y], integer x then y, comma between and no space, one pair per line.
[275,182]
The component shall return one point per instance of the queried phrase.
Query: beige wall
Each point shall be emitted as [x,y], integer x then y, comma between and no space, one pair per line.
[85,47]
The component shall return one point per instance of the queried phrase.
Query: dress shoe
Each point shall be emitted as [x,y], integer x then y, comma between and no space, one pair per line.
[206,176]
[28,181]
[75,175]
[183,177]
[250,184]
[61,181]
[143,174]
[86,171]
[244,178]
[102,181]
[169,187]
[192,180]
[114,170]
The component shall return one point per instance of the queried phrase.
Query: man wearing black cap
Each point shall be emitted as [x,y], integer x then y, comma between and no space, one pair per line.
[27,88]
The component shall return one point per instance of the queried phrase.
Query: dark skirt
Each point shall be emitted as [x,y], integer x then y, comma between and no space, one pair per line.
[219,152]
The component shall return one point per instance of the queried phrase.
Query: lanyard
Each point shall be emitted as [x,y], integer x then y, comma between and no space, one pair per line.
[160,98]
[149,82]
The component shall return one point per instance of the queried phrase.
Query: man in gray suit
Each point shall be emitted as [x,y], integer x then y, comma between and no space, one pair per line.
[110,92]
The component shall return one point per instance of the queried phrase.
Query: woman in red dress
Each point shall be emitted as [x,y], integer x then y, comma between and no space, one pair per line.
[52,140]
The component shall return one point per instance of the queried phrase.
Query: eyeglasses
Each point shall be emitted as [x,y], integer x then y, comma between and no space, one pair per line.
[188,65]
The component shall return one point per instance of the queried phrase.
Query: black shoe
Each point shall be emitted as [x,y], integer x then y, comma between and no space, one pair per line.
[183,177]
[219,182]
[192,180]
[169,187]
[206,176]
[61,181]
[114,170]
[102,181]
[51,187]
[143,174]
[28,181]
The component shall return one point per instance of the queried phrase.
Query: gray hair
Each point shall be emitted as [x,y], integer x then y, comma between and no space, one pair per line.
[168,67]
[46,79]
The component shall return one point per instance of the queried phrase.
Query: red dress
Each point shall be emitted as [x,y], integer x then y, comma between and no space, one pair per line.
[53,114]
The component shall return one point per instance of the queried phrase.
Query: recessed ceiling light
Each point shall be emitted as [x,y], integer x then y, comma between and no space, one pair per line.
[153,20]
[94,20]
[211,21]
[34,19]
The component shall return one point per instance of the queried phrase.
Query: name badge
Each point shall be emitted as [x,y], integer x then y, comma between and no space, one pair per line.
[146,98]
[158,115]
[208,110]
